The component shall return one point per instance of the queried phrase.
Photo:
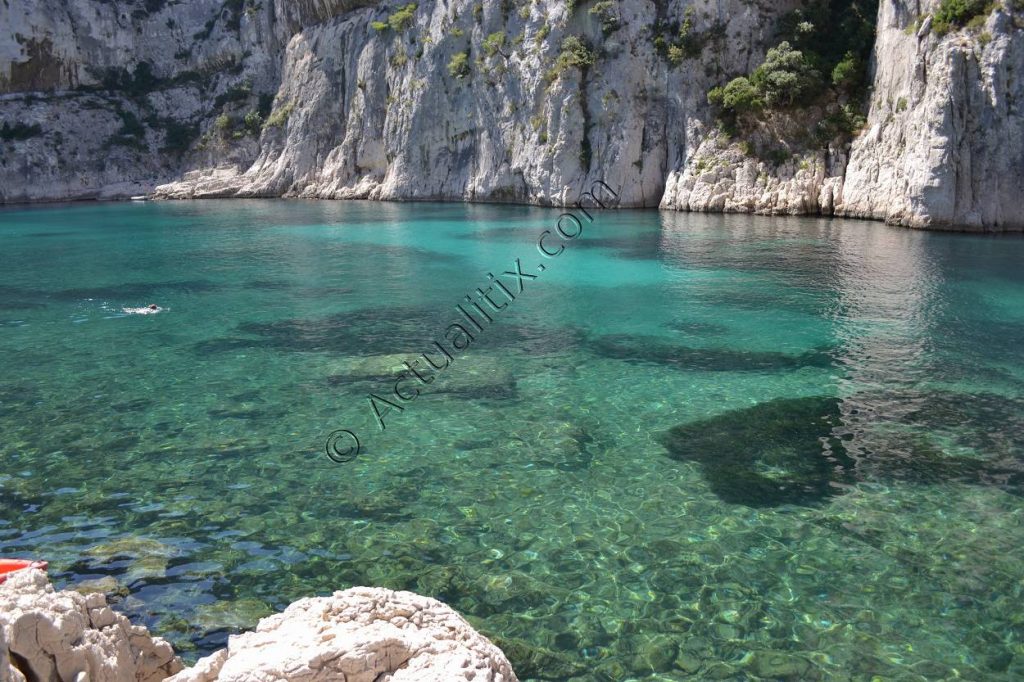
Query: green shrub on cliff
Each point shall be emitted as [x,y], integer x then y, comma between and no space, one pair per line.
[398,21]
[575,54]
[680,41]
[458,67]
[223,125]
[954,14]
[821,61]
[253,123]
[786,77]
[402,19]
[399,59]
[278,118]
[848,73]
[607,11]
[690,43]
[738,96]
[494,44]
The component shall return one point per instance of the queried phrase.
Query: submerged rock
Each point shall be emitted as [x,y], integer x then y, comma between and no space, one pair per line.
[539,662]
[148,557]
[803,450]
[50,635]
[779,665]
[107,585]
[230,615]
[779,452]
[469,376]
[360,635]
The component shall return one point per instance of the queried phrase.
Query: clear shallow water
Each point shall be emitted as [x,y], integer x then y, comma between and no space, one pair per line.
[708,446]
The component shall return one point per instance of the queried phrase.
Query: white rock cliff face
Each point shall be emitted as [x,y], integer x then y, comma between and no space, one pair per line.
[364,113]
[363,634]
[69,637]
[377,114]
[944,145]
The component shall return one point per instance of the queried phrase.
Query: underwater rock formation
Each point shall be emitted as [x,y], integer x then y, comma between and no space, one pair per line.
[645,349]
[362,634]
[779,452]
[804,450]
[69,637]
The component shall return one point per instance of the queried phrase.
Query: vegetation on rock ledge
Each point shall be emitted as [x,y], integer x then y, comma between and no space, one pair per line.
[575,53]
[458,67]
[954,14]
[397,21]
[820,64]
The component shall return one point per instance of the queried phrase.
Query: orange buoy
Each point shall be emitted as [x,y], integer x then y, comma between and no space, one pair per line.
[8,566]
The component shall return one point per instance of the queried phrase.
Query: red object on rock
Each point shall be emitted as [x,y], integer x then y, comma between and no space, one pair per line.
[8,566]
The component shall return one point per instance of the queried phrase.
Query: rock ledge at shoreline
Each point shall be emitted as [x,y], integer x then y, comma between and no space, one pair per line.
[49,635]
[362,634]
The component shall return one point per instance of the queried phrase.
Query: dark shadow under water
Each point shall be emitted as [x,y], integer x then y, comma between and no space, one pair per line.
[644,349]
[805,450]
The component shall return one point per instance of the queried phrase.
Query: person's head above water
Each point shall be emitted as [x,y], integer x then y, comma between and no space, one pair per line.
[152,306]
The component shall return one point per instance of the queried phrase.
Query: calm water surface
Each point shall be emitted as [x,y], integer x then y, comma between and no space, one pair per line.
[693,447]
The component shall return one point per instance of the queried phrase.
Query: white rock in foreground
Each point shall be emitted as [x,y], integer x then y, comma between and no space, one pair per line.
[363,634]
[69,637]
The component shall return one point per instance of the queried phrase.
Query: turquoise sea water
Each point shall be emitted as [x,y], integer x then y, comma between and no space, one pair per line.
[694,447]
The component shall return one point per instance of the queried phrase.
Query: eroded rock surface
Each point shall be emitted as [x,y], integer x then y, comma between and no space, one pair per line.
[360,635]
[70,637]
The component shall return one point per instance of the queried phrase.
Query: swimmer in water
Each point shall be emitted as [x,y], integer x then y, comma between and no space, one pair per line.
[150,309]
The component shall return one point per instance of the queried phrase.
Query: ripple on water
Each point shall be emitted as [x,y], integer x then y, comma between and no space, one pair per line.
[703,447]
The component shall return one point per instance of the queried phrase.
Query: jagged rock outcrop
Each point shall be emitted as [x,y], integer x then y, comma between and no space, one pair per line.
[357,111]
[70,637]
[326,99]
[362,634]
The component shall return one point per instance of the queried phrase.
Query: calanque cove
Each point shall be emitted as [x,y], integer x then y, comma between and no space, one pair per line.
[785,445]
[907,112]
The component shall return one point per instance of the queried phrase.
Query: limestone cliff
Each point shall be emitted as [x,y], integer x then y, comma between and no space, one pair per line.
[944,145]
[489,101]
